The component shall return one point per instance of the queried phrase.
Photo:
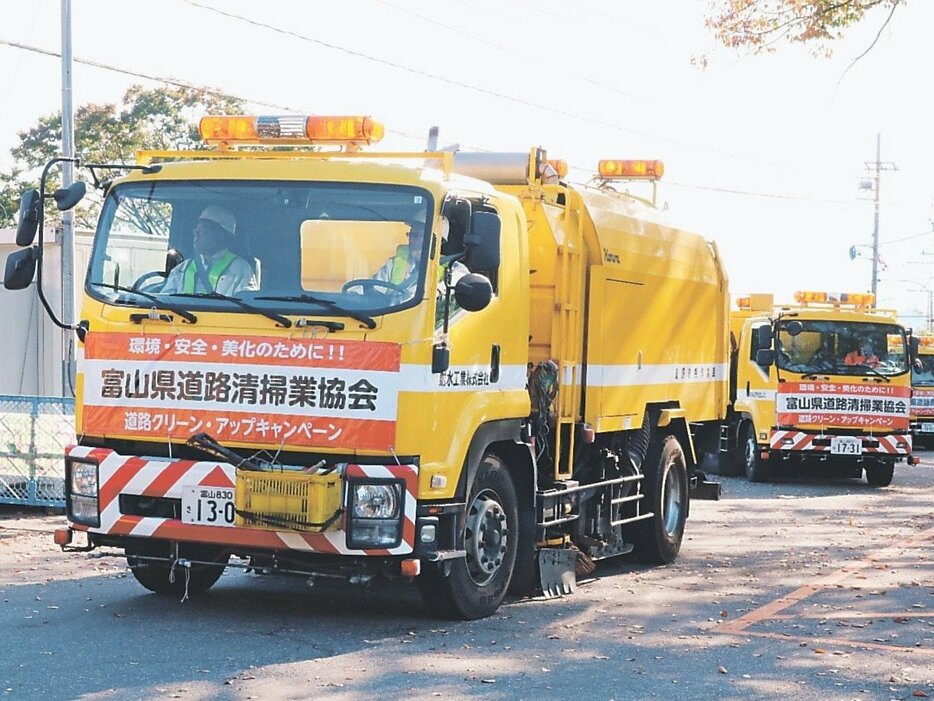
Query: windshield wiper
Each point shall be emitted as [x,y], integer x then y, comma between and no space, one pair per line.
[311,299]
[184,313]
[283,321]
[876,372]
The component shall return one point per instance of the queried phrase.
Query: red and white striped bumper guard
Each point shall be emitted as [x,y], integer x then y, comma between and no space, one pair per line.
[889,444]
[161,477]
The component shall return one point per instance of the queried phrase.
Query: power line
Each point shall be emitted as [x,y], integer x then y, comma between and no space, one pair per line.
[475,88]
[172,81]
[408,135]
[506,49]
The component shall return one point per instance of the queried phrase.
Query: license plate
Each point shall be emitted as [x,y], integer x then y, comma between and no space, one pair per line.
[927,428]
[208,506]
[846,445]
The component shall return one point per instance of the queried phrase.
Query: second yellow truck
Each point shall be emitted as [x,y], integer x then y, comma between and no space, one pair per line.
[823,383]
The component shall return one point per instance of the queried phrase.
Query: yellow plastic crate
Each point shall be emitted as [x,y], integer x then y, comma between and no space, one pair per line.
[288,501]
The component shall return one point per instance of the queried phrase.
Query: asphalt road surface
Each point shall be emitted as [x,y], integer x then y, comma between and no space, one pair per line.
[800,589]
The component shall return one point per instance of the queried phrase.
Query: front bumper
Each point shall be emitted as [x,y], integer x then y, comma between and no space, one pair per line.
[791,443]
[140,497]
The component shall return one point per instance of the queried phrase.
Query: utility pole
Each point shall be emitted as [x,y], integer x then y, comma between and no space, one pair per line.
[68,220]
[878,167]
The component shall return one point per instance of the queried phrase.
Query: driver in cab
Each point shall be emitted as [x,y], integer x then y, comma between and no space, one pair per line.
[863,355]
[401,270]
[214,267]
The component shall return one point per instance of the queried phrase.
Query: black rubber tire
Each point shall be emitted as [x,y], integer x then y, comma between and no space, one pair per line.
[880,474]
[156,575]
[475,587]
[754,467]
[657,540]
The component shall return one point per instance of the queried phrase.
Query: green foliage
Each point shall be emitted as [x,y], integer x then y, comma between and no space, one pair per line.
[761,24]
[162,118]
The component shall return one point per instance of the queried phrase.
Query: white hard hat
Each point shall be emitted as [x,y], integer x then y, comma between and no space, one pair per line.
[220,216]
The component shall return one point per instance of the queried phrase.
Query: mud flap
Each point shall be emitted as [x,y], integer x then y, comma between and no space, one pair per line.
[556,568]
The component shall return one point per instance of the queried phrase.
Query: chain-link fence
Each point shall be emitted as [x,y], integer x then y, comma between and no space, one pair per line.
[33,434]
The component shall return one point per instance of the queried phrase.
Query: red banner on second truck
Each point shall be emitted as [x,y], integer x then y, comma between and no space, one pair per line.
[845,405]
[253,389]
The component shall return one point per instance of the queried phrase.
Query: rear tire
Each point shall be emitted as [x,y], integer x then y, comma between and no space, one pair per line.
[658,540]
[156,575]
[476,585]
[880,474]
[754,467]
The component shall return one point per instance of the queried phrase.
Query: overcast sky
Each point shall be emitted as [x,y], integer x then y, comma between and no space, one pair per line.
[763,154]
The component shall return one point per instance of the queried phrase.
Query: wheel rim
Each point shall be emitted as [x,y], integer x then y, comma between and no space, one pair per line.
[487,537]
[673,493]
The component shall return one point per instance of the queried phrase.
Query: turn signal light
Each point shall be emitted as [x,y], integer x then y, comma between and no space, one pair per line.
[630,170]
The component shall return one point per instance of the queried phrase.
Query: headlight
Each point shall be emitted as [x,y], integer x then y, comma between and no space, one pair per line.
[375,514]
[84,479]
[375,501]
[83,483]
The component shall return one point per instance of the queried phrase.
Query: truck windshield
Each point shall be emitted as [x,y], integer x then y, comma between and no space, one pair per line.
[360,249]
[922,374]
[842,348]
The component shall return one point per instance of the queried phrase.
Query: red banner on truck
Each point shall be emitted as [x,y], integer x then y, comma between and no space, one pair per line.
[251,389]
[874,406]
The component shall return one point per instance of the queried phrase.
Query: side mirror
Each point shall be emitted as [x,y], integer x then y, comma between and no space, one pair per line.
[763,337]
[67,197]
[482,243]
[914,346]
[173,259]
[440,359]
[473,292]
[30,206]
[20,268]
[765,357]
[794,327]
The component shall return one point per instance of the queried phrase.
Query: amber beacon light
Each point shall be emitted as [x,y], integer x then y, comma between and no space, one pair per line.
[630,170]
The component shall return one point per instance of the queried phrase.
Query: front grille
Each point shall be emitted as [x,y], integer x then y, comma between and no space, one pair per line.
[159,507]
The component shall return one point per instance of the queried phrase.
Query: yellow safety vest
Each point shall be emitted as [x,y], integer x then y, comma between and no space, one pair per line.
[217,269]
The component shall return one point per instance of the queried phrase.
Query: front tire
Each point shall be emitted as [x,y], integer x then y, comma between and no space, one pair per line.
[754,467]
[658,540]
[157,575]
[880,474]
[476,584]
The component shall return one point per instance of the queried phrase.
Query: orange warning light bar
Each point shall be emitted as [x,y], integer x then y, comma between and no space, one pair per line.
[630,170]
[291,129]
[858,299]
[744,303]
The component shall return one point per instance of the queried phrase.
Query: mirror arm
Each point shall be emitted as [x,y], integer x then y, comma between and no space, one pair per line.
[41,239]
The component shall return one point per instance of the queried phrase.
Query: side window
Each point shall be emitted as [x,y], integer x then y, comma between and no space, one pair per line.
[753,346]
